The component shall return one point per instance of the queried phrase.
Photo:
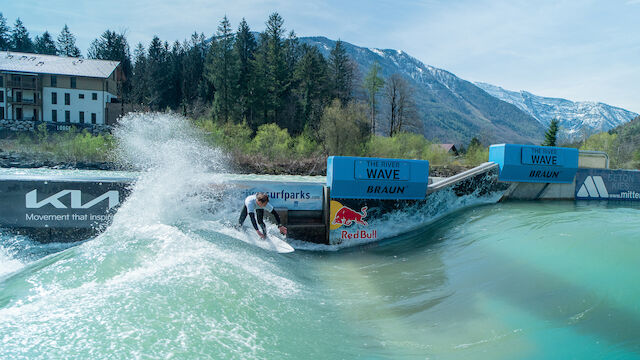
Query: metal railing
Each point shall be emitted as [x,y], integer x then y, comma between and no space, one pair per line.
[22,84]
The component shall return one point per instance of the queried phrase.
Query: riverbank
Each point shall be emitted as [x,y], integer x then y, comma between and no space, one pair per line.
[239,163]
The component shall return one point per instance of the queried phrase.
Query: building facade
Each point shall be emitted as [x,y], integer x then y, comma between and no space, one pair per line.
[58,89]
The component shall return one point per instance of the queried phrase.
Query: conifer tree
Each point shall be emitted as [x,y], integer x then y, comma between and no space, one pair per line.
[176,58]
[157,73]
[258,84]
[20,40]
[140,89]
[276,71]
[311,77]
[192,69]
[113,46]
[67,43]
[244,48]
[373,83]
[221,72]
[5,36]
[45,45]
[341,72]
[550,136]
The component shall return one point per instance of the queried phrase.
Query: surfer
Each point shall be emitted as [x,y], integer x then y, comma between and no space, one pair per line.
[255,205]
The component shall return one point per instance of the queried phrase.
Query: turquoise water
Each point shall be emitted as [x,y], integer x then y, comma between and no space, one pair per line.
[516,280]
[513,280]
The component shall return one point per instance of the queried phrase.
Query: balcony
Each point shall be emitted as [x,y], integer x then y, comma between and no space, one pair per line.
[24,101]
[22,84]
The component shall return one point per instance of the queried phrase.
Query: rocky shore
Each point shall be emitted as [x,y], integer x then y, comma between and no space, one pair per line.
[25,160]
[241,164]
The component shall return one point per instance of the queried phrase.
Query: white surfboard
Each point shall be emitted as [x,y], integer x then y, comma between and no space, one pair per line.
[249,235]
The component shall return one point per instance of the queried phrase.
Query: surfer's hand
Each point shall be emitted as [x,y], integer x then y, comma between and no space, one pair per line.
[262,236]
[283,230]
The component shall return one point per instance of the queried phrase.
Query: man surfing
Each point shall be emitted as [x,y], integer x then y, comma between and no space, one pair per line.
[255,205]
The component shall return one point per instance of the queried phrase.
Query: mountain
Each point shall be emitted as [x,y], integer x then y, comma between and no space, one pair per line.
[452,110]
[576,119]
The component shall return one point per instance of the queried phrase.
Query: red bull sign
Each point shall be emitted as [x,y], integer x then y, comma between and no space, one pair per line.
[347,224]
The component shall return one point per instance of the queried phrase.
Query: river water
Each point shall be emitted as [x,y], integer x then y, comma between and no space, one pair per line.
[525,280]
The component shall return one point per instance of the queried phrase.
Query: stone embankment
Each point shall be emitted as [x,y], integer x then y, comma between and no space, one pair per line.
[25,160]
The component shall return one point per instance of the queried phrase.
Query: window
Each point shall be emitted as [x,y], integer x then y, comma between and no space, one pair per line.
[2,81]
[1,95]
[73,82]
[54,98]
[93,118]
[1,112]
[94,96]
[107,86]
[81,117]
[67,99]
[35,115]
[54,115]
[54,81]
[18,96]
[80,96]
[19,114]
[67,116]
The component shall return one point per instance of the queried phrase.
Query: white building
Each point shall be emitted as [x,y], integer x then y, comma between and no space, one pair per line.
[57,89]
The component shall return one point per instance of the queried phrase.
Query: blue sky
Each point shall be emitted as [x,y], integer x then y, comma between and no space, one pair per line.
[582,50]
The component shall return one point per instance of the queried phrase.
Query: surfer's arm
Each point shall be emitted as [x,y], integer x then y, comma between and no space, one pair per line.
[283,230]
[262,234]
[275,215]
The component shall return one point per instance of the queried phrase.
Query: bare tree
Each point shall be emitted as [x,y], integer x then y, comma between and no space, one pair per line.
[402,108]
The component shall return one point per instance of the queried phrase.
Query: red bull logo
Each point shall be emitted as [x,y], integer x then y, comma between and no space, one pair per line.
[347,216]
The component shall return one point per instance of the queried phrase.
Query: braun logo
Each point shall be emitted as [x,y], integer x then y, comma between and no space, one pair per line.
[31,199]
[593,186]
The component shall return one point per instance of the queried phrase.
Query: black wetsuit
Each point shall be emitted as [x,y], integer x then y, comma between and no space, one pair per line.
[259,215]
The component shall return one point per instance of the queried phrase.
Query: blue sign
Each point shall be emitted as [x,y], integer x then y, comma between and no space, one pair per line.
[376,178]
[606,184]
[288,195]
[538,164]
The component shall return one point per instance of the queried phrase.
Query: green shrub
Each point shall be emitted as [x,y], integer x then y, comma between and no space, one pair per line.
[273,142]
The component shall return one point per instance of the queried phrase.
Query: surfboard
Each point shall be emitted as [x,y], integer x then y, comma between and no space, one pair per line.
[270,243]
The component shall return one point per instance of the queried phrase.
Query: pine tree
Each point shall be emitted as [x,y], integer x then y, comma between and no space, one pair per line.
[311,77]
[157,74]
[258,84]
[373,83]
[244,48]
[140,89]
[67,43]
[5,36]
[550,136]
[276,71]
[45,45]
[221,72]
[20,40]
[192,70]
[341,71]
[113,46]
[176,58]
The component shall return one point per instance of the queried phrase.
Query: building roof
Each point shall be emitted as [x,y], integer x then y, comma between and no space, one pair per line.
[58,65]
[448,147]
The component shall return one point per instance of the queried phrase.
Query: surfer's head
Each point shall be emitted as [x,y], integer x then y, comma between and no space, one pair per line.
[262,198]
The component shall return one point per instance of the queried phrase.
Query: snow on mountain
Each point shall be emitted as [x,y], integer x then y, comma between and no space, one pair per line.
[576,119]
[454,110]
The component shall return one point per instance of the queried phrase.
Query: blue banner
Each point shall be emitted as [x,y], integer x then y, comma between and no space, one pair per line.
[606,184]
[377,178]
[530,163]
[289,195]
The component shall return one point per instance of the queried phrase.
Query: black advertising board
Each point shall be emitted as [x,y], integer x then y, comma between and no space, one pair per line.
[31,202]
